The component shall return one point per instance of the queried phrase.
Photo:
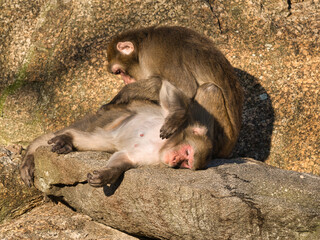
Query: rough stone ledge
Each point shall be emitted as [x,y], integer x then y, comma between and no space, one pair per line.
[232,199]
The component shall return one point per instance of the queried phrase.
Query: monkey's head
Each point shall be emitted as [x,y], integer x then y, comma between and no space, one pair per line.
[123,55]
[191,148]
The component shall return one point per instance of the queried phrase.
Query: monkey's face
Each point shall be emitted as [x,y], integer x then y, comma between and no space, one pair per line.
[123,59]
[180,156]
[190,148]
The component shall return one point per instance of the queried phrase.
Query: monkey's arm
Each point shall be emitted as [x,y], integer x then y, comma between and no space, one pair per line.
[176,105]
[92,133]
[147,89]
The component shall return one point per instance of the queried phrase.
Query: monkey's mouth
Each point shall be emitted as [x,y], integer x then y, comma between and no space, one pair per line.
[125,77]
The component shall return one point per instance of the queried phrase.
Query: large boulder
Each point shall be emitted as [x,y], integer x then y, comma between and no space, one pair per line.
[56,221]
[233,199]
[53,66]
[53,71]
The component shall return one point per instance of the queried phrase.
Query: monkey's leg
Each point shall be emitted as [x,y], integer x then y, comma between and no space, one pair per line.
[117,165]
[212,113]
[27,164]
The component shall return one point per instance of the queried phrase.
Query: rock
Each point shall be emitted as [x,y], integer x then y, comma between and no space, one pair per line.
[232,199]
[15,197]
[53,66]
[56,221]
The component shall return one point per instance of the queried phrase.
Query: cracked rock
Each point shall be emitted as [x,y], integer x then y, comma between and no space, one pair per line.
[232,199]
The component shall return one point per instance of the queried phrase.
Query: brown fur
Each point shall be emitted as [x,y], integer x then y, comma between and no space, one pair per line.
[190,62]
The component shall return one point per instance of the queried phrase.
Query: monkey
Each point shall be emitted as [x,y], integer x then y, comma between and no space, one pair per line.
[192,64]
[131,132]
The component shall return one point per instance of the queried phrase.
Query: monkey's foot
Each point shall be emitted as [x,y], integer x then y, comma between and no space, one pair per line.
[100,178]
[27,170]
[62,144]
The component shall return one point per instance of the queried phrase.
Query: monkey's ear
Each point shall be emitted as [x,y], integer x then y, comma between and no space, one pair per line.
[125,48]
[199,130]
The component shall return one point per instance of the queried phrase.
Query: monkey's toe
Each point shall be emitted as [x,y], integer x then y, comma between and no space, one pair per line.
[62,144]
[27,176]
[64,150]
[103,177]
[95,180]
[27,170]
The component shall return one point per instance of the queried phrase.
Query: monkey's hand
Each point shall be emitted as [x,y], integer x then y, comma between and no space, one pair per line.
[172,124]
[62,144]
[104,107]
[27,170]
[147,89]
[167,129]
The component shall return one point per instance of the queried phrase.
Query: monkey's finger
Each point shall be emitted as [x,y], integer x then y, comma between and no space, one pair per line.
[27,182]
[57,146]
[65,149]
[165,133]
[53,140]
[94,181]
[89,176]
[28,179]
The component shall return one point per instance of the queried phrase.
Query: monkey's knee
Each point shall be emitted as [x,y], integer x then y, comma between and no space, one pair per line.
[209,89]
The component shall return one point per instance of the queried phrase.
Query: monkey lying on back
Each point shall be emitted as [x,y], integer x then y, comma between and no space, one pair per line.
[131,131]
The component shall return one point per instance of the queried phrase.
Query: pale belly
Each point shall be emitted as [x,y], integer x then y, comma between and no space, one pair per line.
[141,139]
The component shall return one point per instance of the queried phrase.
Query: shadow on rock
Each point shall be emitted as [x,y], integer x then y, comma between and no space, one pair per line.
[110,190]
[218,162]
[257,121]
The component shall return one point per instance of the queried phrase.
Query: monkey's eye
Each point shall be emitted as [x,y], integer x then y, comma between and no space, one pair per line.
[187,152]
[117,72]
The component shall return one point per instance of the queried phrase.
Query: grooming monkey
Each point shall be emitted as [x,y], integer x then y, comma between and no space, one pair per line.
[192,64]
[131,132]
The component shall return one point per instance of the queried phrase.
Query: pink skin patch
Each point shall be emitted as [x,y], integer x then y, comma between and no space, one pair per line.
[127,79]
[117,69]
[183,157]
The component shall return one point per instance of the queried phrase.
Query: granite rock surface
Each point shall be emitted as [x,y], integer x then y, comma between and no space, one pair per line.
[53,66]
[232,199]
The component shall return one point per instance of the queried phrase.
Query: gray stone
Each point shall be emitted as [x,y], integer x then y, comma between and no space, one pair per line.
[56,221]
[232,199]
